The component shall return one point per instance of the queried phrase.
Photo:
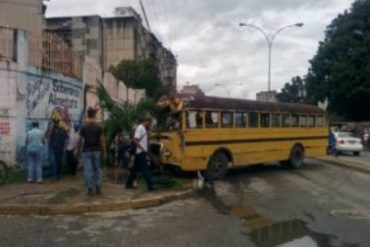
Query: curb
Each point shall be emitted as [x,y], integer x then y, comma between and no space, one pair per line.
[352,166]
[77,209]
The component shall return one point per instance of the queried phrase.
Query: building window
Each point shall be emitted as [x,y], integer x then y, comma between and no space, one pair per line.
[92,43]
[78,33]
[212,119]
[276,120]
[240,120]
[253,120]
[194,119]
[227,120]
[265,120]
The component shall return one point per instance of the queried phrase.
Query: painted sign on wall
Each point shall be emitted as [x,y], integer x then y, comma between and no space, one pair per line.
[44,95]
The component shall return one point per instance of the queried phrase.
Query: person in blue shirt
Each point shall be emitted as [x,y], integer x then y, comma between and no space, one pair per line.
[332,143]
[35,144]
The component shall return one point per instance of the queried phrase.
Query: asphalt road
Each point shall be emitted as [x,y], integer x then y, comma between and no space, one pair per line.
[364,157]
[318,205]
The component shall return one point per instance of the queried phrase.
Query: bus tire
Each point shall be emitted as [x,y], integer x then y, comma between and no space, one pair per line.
[217,166]
[296,158]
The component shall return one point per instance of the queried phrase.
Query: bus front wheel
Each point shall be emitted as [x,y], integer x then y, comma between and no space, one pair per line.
[217,166]
[296,158]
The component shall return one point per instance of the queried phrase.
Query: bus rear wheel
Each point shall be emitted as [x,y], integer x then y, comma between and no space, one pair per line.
[295,159]
[217,166]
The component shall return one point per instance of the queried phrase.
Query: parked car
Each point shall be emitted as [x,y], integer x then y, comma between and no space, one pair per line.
[347,142]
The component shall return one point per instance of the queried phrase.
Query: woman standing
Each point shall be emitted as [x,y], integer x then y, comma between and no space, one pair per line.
[35,146]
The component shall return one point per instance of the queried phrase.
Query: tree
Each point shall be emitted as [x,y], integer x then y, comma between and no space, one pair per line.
[340,71]
[293,92]
[143,74]
[123,115]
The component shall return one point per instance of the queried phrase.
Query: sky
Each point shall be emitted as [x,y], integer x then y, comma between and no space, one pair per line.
[213,51]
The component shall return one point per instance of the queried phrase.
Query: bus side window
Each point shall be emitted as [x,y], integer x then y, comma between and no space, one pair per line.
[286,120]
[194,119]
[319,121]
[276,120]
[253,120]
[265,120]
[240,120]
[311,121]
[303,121]
[294,120]
[212,119]
[227,120]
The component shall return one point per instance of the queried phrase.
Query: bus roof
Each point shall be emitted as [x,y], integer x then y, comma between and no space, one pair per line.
[207,102]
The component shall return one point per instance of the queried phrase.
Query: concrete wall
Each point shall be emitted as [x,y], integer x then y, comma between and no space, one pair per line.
[119,40]
[22,14]
[27,95]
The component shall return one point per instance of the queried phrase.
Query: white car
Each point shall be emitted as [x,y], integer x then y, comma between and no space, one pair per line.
[347,142]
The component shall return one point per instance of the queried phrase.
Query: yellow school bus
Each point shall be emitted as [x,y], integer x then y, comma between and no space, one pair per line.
[213,135]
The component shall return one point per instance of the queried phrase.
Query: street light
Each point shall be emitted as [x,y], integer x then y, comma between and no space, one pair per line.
[270,40]
[229,88]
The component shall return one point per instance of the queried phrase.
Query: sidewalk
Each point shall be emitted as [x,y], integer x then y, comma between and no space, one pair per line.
[68,196]
[360,164]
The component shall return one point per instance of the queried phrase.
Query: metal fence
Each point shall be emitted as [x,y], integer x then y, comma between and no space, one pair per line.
[7,47]
[48,52]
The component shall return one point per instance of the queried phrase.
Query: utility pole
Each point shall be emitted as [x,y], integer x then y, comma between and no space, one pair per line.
[145,16]
[270,40]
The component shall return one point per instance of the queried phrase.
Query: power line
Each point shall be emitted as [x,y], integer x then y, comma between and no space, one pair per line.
[145,16]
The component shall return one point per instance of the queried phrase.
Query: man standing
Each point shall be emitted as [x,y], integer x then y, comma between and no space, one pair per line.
[93,143]
[141,164]
[57,144]
[35,146]
[71,158]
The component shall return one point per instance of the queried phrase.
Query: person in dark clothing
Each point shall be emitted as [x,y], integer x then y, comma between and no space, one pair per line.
[141,163]
[57,144]
[122,147]
[93,146]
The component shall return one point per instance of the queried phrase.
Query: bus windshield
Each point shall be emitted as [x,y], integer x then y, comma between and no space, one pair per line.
[172,122]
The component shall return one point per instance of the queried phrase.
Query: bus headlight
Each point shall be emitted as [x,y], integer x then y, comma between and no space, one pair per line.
[167,153]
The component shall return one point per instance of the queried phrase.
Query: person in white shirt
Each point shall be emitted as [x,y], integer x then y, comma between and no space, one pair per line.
[71,156]
[141,164]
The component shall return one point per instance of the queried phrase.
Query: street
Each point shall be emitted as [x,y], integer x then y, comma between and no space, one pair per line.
[318,205]
[364,157]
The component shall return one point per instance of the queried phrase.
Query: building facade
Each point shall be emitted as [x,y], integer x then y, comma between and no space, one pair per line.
[110,40]
[192,90]
[267,96]
[26,15]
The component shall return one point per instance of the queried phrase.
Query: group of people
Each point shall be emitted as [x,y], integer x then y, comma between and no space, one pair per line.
[60,144]
[89,143]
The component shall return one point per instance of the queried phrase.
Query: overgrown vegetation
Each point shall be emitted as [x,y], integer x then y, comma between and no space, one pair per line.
[340,71]
[143,74]
[125,115]
[14,176]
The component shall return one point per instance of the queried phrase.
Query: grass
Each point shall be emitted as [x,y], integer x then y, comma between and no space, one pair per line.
[63,196]
[13,176]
